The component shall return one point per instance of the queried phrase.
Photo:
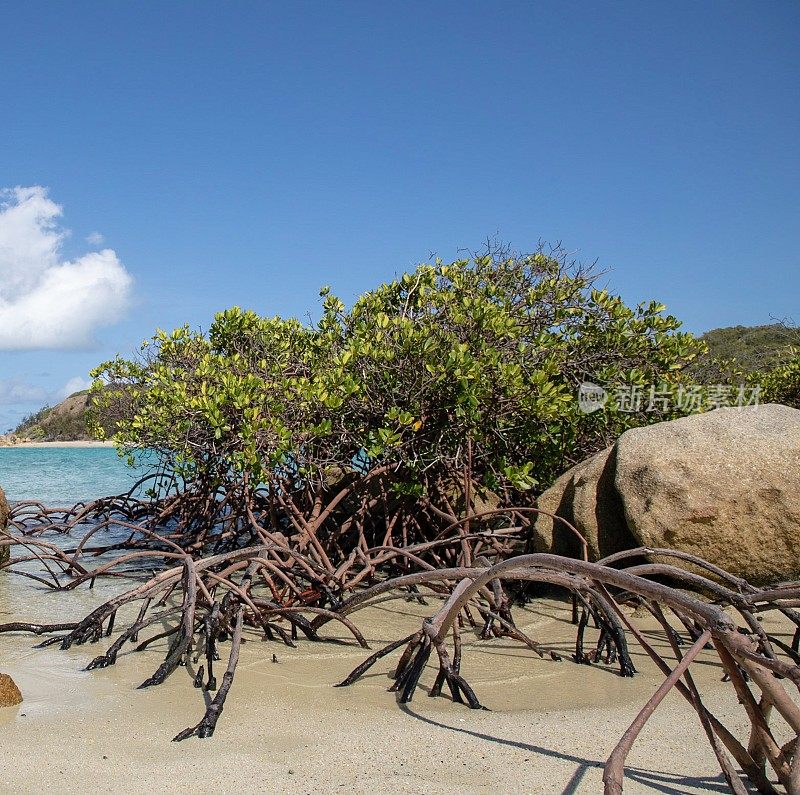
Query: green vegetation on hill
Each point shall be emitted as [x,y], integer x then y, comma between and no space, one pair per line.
[744,350]
[65,422]
[764,356]
[30,425]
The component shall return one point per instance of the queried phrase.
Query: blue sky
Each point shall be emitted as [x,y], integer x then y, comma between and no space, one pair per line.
[248,153]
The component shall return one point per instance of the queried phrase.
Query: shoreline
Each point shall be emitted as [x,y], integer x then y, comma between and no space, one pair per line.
[47,445]
[549,728]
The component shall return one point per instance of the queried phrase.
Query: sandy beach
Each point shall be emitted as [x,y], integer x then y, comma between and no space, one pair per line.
[548,728]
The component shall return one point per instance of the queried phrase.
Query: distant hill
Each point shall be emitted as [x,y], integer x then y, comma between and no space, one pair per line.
[749,348]
[753,347]
[62,423]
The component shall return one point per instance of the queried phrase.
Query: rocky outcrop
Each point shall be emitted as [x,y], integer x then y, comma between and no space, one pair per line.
[724,485]
[9,692]
[11,439]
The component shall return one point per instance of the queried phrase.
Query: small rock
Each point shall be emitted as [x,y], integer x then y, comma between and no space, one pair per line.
[9,692]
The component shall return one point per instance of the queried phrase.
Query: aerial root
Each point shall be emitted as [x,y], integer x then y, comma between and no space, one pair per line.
[747,661]
[206,727]
[361,669]
[218,574]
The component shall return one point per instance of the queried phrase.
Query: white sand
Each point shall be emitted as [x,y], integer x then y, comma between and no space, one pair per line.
[285,729]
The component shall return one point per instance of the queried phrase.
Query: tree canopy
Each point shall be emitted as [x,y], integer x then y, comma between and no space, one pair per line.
[476,362]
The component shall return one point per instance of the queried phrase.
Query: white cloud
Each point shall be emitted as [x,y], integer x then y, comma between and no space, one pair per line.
[76,384]
[45,301]
[13,392]
[95,239]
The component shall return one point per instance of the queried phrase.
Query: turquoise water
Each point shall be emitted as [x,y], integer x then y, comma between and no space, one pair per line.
[59,476]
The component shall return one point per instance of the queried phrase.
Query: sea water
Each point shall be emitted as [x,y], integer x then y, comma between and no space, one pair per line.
[62,476]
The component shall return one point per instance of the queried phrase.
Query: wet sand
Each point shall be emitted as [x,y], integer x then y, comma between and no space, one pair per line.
[286,729]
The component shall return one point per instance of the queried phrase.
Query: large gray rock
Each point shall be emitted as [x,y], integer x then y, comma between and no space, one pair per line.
[585,496]
[5,551]
[724,485]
